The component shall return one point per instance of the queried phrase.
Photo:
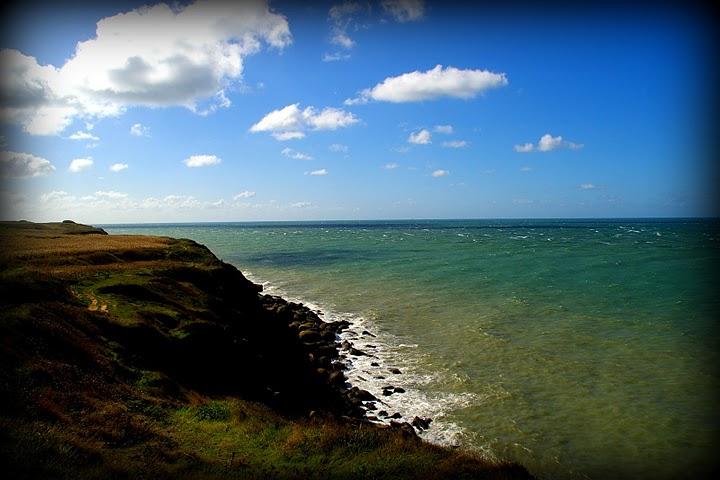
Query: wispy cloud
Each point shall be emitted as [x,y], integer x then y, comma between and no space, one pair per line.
[294,154]
[338,148]
[245,194]
[391,166]
[80,135]
[445,129]
[440,173]
[421,137]
[318,173]
[196,161]
[139,130]
[455,144]
[118,167]
[404,10]
[587,186]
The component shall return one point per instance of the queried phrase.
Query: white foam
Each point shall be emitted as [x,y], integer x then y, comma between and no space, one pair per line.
[389,352]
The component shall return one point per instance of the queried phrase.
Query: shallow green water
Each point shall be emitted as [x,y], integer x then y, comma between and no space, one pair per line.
[577,348]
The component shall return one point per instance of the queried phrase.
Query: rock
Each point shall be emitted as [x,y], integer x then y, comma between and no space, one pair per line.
[421,423]
[399,390]
[396,415]
[387,393]
[336,378]
[383,413]
[405,428]
[365,332]
[396,371]
[346,345]
[309,336]
[380,377]
[372,418]
[356,393]
[357,353]
[370,406]
[374,364]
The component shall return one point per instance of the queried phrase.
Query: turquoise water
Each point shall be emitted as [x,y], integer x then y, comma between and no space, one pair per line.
[581,349]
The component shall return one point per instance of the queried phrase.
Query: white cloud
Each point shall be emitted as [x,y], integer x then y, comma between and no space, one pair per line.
[391,166]
[111,194]
[420,138]
[587,186]
[118,167]
[20,165]
[335,57]
[524,148]
[80,135]
[525,169]
[285,136]
[52,196]
[547,143]
[455,144]
[245,194]
[342,18]
[196,161]
[435,83]
[291,121]
[404,10]
[301,205]
[446,129]
[440,173]
[336,147]
[318,173]
[154,56]
[80,164]
[139,130]
[290,153]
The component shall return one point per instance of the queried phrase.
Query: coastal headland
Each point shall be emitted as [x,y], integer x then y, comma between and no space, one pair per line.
[148,357]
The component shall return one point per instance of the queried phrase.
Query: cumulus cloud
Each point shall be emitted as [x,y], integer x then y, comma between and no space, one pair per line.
[404,10]
[118,167]
[420,138]
[22,165]
[294,154]
[318,173]
[139,130]
[436,83]
[446,129]
[547,143]
[292,121]
[455,144]
[196,161]
[391,166]
[80,135]
[153,56]
[80,164]
[245,194]
[440,173]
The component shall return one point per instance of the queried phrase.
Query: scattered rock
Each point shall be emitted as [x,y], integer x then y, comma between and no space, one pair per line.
[405,428]
[365,332]
[383,413]
[374,364]
[396,371]
[357,353]
[396,415]
[421,423]
[370,406]
[399,390]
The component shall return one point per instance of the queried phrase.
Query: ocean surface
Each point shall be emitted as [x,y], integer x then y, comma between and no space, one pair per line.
[578,348]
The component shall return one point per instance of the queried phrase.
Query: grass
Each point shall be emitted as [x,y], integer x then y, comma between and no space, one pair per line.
[144,357]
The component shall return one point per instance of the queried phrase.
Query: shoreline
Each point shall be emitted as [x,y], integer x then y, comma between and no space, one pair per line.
[371,369]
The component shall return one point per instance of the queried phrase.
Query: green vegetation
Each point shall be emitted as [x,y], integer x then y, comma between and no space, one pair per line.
[147,357]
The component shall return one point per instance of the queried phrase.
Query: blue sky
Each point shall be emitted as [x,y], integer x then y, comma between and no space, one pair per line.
[592,113]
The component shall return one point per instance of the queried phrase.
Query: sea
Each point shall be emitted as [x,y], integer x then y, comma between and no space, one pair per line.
[577,348]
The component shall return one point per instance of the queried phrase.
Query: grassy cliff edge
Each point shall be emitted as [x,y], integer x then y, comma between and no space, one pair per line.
[148,357]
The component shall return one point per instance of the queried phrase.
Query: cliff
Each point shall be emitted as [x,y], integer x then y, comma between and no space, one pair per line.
[148,357]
